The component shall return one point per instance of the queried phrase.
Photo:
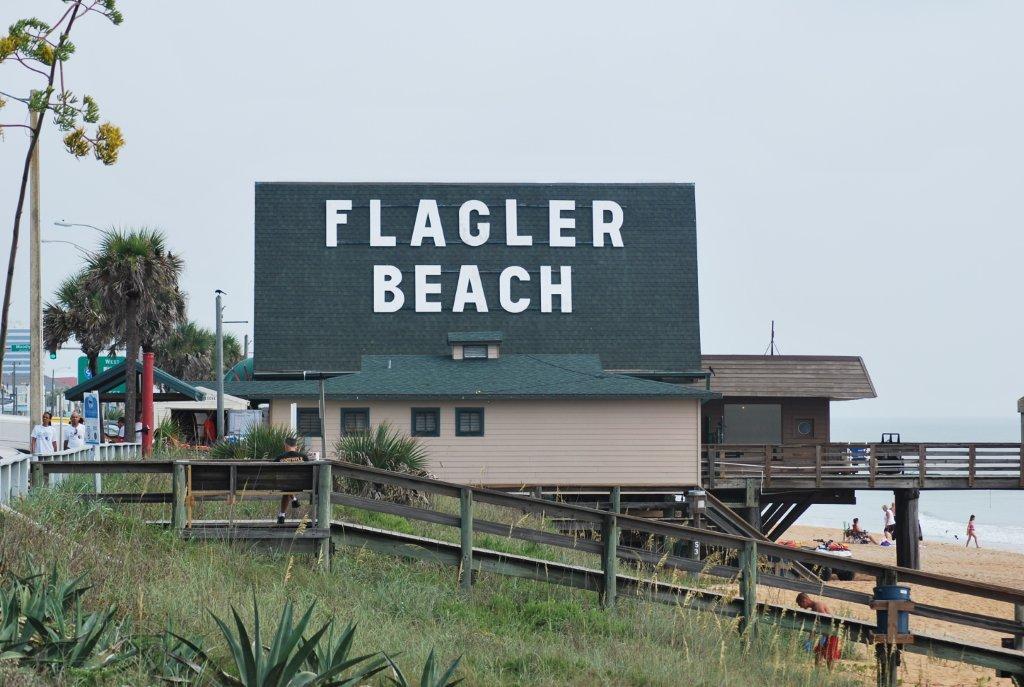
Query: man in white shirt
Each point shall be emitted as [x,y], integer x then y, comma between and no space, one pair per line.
[44,441]
[74,435]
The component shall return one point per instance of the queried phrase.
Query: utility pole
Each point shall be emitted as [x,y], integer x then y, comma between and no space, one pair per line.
[245,348]
[218,366]
[36,389]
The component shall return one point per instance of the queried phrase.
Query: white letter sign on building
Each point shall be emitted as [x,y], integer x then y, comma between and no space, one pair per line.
[368,268]
[389,298]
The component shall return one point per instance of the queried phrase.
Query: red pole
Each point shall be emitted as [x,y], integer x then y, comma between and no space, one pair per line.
[147,403]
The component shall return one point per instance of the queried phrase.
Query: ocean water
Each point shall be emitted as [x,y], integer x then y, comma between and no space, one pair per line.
[999,514]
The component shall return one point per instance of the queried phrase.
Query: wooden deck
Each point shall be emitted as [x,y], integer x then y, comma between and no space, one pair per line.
[864,466]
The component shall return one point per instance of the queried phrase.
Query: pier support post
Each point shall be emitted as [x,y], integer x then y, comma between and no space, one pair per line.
[178,489]
[752,505]
[748,585]
[908,545]
[610,559]
[323,513]
[466,538]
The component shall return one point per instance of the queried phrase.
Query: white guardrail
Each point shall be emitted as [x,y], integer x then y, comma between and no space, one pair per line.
[15,470]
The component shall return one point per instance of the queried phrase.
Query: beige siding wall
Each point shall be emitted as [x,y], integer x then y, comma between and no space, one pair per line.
[556,443]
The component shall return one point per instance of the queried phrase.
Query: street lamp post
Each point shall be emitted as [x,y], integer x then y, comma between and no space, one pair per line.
[218,366]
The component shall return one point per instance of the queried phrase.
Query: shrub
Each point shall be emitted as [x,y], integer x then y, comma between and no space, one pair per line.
[384,448]
[263,442]
[42,624]
[290,660]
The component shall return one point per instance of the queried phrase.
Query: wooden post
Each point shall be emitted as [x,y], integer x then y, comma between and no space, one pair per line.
[178,489]
[922,457]
[767,467]
[872,465]
[610,560]
[38,475]
[748,585]
[466,538]
[1018,637]
[817,465]
[709,481]
[887,657]
[1020,458]
[323,513]
[972,457]
[908,549]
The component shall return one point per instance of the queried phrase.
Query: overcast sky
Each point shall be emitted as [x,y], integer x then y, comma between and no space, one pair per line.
[858,165]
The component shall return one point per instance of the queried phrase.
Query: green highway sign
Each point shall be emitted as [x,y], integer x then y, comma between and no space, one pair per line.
[103,363]
[18,348]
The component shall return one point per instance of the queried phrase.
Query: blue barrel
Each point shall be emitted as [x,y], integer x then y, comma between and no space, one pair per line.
[892,592]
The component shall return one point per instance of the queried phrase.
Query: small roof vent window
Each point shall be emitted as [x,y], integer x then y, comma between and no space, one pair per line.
[474,351]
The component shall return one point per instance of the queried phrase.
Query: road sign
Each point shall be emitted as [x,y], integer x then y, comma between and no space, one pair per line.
[20,347]
[103,363]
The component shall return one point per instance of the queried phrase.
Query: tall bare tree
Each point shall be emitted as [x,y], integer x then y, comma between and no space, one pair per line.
[42,49]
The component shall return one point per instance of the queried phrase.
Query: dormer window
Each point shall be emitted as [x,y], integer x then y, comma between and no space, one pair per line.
[475,345]
[474,351]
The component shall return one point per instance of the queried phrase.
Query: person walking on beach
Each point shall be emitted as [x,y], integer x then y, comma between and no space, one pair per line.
[44,441]
[889,521]
[827,647]
[291,455]
[972,534]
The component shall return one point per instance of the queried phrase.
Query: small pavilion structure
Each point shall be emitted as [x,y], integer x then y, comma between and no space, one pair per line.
[164,387]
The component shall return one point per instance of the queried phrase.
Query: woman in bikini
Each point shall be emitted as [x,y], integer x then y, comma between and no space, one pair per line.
[971,534]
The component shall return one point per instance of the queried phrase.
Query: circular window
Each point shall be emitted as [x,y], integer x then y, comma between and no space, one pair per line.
[805,428]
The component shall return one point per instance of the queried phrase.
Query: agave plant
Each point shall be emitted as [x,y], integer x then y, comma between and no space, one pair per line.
[43,624]
[384,448]
[263,442]
[169,659]
[431,675]
[291,659]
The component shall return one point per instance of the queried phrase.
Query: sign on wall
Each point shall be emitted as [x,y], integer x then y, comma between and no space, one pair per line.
[93,417]
[344,270]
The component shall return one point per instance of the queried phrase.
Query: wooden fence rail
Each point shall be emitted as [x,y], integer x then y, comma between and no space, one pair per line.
[866,466]
[739,561]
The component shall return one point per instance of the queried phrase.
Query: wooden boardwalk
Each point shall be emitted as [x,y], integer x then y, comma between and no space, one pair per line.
[864,466]
[741,560]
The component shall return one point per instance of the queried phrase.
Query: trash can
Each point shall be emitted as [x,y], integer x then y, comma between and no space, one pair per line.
[892,592]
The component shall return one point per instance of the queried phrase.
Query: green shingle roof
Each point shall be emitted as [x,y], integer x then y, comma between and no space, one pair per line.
[115,376]
[440,377]
[474,337]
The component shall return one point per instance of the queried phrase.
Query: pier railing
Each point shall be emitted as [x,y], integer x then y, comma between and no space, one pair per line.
[865,465]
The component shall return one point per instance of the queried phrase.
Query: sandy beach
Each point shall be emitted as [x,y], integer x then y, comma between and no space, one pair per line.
[984,565]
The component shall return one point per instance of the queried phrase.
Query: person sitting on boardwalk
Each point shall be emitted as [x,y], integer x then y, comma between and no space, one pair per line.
[859,534]
[972,534]
[291,455]
[827,647]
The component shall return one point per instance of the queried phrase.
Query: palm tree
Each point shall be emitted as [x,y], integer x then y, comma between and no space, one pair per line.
[136,277]
[188,352]
[78,313]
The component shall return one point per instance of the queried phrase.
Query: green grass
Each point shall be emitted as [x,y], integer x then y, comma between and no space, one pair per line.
[509,631]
